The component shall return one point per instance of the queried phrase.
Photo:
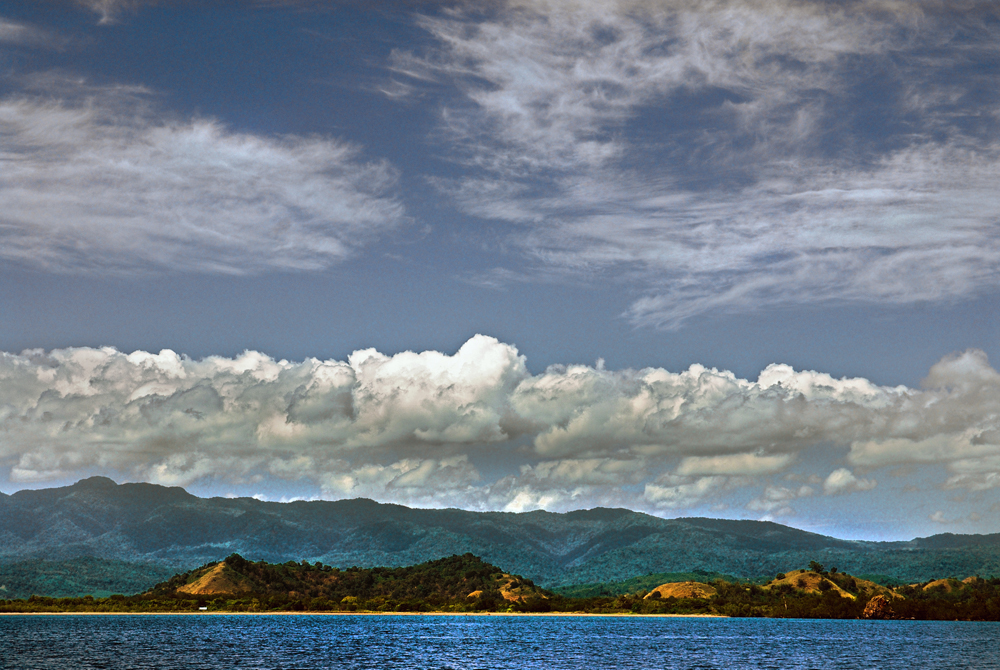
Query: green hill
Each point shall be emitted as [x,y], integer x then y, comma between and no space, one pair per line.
[77,577]
[463,582]
[170,528]
[643,583]
[466,584]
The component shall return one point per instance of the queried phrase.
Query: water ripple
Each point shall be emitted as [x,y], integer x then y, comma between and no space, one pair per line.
[472,643]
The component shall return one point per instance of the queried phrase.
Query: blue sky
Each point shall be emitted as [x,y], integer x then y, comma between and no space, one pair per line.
[729,259]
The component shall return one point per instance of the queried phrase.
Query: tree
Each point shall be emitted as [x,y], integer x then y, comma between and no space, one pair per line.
[816,567]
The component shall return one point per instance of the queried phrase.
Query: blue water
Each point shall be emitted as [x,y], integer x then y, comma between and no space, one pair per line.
[307,642]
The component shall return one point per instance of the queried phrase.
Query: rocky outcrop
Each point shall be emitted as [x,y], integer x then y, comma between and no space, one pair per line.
[878,608]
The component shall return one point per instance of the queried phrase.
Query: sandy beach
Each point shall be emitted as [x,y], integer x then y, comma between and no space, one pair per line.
[450,614]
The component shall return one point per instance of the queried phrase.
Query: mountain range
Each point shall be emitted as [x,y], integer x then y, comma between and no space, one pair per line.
[167,527]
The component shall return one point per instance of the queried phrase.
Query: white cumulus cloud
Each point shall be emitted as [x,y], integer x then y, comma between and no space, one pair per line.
[776,500]
[843,480]
[672,491]
[431,428]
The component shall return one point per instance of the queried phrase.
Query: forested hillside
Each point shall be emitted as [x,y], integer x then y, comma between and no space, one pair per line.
[168,527]
[78,576]
[466,584]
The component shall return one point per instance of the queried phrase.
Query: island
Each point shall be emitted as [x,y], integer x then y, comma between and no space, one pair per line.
[466,584]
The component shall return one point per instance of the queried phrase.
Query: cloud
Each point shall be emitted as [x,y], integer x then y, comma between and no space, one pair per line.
[16,33]
[110,10]
[739,464]
[729,155]
[672,492]
[170,419]
[843,480]
[103,183]
[776,500]
[719,420]
[976,479]
[427,482]
[953,421]
[586,471]
[563,485]
[425,428]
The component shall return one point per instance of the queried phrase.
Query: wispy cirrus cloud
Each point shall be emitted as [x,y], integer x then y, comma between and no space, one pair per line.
[14,33]
[23,34]
[417,427]
[98,179]
[730,155]
[110,10]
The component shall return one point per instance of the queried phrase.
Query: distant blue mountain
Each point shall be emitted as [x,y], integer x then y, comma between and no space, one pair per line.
[170,528]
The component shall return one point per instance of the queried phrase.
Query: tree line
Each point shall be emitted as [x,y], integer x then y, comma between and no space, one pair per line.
[468,584]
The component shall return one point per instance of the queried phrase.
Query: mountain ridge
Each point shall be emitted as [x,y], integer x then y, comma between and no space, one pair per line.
[167,526]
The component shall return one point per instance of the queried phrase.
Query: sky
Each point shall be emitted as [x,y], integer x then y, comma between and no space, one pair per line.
[734,259]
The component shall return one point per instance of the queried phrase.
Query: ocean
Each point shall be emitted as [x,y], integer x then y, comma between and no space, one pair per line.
[464,642]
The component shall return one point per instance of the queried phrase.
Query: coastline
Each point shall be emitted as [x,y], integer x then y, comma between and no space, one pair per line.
[447,614]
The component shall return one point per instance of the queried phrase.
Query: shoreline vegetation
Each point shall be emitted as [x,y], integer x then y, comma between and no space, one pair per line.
[364,614]
[466,585]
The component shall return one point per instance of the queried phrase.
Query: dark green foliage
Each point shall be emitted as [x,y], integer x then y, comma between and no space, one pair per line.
[168,526]
[644,583]
[81,576]
[442,584]
[976,601]
[884,580]
[445,585]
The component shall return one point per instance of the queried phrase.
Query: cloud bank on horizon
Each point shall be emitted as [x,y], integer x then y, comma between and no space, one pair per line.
[411,427]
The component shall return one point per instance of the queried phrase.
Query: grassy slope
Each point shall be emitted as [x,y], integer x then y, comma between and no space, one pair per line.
[644,583]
